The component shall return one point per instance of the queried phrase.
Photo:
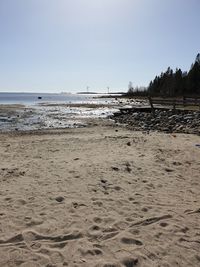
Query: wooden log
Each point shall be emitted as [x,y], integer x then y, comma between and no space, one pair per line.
[152,107]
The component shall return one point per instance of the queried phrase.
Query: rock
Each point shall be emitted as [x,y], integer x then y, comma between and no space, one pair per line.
[166,121]
[115,168]
[179,128]
[188,117]
[59,199]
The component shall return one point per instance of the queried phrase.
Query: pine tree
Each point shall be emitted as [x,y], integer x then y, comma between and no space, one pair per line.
[193,79]
[198,58]
[178,80]
[178,83]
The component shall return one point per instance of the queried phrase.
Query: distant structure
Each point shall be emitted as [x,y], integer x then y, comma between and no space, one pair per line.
[108,89]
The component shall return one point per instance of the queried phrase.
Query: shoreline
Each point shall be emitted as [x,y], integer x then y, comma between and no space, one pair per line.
[51,115]
[44,116]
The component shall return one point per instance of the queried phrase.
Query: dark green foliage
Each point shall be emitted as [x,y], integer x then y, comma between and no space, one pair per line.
[193,80]
[177,83]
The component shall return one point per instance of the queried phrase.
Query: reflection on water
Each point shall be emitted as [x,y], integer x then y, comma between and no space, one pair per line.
[45,117]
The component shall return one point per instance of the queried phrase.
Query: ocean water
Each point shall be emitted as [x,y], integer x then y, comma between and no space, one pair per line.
[34,98]
[41,114]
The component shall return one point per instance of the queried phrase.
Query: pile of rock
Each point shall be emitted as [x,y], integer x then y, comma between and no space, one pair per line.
[163,120]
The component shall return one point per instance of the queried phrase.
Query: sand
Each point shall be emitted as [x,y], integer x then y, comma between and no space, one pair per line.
[99,196]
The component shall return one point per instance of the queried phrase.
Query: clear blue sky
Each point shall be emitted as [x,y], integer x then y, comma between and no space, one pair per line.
[66,45]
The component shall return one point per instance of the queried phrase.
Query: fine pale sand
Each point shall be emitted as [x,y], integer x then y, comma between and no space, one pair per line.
[99,196]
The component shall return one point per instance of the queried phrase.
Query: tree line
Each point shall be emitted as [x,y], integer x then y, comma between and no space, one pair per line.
[173,83]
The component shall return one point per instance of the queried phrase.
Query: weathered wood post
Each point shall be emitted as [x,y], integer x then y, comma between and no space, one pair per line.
[184,101]
[151,104]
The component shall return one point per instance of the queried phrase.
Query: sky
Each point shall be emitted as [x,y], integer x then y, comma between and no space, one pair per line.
[67,45]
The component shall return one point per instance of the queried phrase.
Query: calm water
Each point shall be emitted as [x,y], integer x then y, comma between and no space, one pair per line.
[32,98]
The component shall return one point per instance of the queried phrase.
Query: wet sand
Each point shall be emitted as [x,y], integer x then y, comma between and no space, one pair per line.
[99,196]
[51,115]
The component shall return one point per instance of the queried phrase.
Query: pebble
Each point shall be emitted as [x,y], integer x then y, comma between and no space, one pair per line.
[59,199]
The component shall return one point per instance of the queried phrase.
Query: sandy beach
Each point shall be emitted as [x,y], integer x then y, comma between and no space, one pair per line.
[99,196]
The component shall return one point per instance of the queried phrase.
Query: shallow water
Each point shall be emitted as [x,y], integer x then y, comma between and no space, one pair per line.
[49,112]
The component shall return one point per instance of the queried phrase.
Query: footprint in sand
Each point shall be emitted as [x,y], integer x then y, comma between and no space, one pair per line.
[130,262]
[56,257]
[109,264]
[117,188]
[95,228]
[163,224]
[59,199]
[169,170]
[29,237]
[109,235]
[131,241]
[144,209]
[94,232]
[30,264]
[90,252]
[134,231]
[97,220]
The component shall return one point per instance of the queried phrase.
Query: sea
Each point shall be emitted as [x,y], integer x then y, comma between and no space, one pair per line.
[37,98]
[35,111]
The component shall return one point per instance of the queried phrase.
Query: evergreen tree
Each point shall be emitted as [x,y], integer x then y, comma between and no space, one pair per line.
[193,79]
[178,83]
[198,58]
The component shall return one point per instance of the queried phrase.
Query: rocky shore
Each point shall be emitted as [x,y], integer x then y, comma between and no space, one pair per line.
[169,121]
